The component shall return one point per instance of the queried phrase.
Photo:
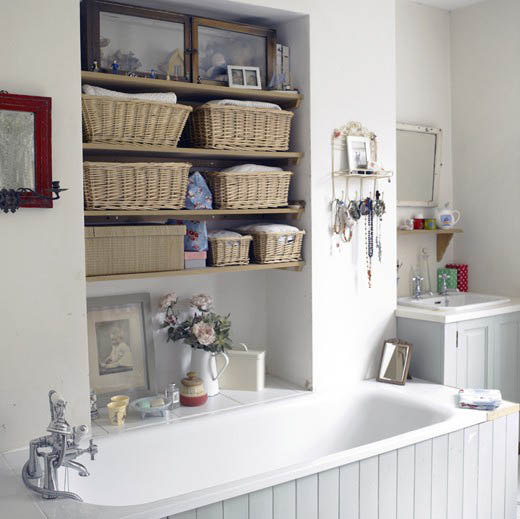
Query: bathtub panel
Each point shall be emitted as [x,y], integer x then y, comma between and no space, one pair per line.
[236,508]
[405,482]
[368,488]
[284,501]
[307,497]
[455,474]
[388,485]
[511,468]
[499,468]
[328,494]
[469,506]
[190,514]
[485,470]
[214,511]
[423,480]
[440,477]
[349,491]
[261,504]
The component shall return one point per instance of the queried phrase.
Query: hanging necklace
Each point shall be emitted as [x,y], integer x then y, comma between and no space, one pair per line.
[379,210]
[367,209]
[342,222]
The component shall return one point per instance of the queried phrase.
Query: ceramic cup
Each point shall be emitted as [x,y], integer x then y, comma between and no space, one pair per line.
[430,224]
[116,413]
[418,223]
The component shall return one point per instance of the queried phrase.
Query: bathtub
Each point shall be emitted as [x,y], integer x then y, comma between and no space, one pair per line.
[378,451]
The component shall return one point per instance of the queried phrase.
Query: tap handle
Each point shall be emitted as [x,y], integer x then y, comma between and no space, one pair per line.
[78,433]
[93,449]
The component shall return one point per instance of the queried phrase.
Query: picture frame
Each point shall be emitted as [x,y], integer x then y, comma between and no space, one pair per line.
[217,44]
[395,362]
[26,147]
[99,16]
[359,153]
[244,77]
[121,347]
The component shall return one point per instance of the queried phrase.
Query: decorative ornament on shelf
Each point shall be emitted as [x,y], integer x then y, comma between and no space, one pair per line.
[115,67]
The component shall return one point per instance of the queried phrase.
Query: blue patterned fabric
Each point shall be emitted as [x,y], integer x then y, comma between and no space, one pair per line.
[198,195]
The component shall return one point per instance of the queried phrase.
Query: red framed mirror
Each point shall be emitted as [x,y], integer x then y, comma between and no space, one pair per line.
[25,147]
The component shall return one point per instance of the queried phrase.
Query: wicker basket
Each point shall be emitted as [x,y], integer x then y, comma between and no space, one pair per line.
[132,249]
[228,127]
[229,251]
[128,121]
[252,190]
[277,247]
[140,185]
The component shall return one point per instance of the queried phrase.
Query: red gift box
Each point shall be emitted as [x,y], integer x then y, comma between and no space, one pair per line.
[462,276]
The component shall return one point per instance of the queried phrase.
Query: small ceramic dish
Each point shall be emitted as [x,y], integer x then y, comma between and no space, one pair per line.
[137,405]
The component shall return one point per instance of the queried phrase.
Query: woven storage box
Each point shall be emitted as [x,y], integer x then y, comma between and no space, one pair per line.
[277,247]
[140,185]
[249,190]
[229,251]
[239,128]
[133,249]
[127,121]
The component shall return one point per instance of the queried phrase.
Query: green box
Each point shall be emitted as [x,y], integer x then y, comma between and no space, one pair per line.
[451,281]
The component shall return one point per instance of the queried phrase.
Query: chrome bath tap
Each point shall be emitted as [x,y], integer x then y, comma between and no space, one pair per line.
[58,449]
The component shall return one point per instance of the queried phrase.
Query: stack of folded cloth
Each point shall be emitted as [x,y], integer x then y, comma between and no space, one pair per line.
[481,399]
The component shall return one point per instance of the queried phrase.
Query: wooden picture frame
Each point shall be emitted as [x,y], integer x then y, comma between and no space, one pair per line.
[40,142]
[253,30]
[401,365]
[90,33]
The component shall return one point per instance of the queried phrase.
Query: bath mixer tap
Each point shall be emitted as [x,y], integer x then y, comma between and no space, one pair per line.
[58,449]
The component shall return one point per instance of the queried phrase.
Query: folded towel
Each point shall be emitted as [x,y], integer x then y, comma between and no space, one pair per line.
[223,234]
[248,104]
[252,168]
[160,97]
[481,399]
[268,228]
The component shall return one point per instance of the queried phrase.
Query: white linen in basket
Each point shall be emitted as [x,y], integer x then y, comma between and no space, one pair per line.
[246,104]
[160,97]
[252,168]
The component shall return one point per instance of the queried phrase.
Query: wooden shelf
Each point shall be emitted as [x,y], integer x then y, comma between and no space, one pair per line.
[189,91]
[294,265]
[294,209]
[188,153]
[444,237]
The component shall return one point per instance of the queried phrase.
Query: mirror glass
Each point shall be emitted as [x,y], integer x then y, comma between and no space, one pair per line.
[418,161]
[395,361]
[17,149]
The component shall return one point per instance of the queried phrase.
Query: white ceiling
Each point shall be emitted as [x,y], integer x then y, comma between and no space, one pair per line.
[450,5]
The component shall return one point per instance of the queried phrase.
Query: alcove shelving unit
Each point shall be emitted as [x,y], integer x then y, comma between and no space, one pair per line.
[192,94]
[443,236]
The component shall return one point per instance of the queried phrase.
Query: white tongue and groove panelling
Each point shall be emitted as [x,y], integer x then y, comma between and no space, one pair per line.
[467,474]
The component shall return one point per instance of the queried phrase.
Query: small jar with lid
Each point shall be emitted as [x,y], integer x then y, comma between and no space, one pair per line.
[193,392]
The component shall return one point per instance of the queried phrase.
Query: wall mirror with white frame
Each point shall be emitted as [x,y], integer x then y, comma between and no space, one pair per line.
[419,164]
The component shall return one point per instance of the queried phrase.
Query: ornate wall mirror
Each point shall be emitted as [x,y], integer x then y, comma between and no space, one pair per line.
[395,362]
[419,163]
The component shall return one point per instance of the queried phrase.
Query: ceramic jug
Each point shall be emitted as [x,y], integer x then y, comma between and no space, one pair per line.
[204,364]
[446,218]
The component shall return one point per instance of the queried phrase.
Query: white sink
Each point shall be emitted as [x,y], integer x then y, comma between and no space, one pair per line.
[454,302]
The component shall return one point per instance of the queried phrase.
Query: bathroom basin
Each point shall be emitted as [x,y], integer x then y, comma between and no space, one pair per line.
[454,302]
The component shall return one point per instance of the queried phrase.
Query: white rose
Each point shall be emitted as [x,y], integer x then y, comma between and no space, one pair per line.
[204,332]
[202,302]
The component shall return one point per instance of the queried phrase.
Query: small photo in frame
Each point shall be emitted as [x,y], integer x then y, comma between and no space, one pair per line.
[120,343]
[244,77]
[395,362]
[359,154]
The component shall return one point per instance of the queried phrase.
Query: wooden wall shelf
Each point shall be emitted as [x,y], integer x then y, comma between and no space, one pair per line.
[189,91]
[90,149]
[294,265]
[444,237]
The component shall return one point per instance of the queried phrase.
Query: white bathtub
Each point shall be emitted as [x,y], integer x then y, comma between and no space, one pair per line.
[159,471]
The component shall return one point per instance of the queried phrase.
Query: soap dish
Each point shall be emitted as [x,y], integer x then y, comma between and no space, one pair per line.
[137,405]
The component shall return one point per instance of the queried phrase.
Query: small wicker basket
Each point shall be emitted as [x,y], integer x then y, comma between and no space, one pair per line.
[113,120]
[249,190]
[140,185]
[277,247]
[228,127]
[229,251]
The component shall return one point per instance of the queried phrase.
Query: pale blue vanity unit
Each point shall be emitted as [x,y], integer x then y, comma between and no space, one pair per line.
[468,348]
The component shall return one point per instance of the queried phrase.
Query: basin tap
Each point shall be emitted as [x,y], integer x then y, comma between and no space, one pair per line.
[76,465]
[445,291]
[417,290]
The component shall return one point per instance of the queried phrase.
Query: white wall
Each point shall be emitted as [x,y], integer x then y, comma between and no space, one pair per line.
[424,97]
[42,299]
[486,134]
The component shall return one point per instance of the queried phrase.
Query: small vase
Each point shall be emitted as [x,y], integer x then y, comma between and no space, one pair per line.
[204,365]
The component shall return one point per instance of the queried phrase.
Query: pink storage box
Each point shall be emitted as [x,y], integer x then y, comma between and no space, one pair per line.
[195,255]
[462,275]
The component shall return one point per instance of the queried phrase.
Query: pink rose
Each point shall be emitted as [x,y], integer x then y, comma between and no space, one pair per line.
[204,332]
[168,300]
[202,302]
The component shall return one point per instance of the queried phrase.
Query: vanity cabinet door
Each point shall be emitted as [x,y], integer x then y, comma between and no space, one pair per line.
[473,353]
[505,355]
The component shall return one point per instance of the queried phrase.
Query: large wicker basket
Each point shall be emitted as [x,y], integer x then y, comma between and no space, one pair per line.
[249,190]
[277,247]
[135,185]
[128,121]
[229,127]
[229,251]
